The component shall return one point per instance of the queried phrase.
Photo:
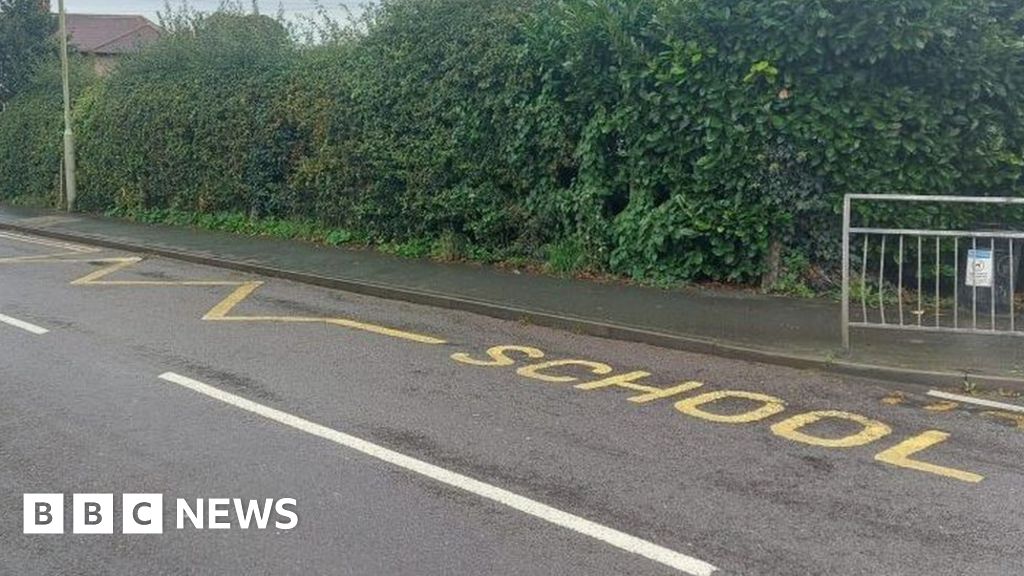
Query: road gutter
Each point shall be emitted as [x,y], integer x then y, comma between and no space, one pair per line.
[551,320]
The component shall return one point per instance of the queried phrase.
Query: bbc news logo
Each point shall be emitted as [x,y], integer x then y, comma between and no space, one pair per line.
[144,514]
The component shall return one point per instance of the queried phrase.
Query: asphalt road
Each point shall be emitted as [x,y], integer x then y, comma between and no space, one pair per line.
[409,449]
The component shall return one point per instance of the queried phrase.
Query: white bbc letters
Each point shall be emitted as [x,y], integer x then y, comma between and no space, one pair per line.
[43,513]
[92,514]
[142,514]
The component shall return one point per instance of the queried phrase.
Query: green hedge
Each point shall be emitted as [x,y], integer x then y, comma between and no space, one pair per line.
[424,127]
[660,139]
[711,128]
[190,123]
[31,133]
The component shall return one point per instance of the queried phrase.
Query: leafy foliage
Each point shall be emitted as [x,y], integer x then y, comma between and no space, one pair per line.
[665,140]
[31,130]
[26,37]
[404,130]
[190,124]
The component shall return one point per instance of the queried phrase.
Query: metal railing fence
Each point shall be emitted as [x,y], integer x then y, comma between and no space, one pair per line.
[977,268]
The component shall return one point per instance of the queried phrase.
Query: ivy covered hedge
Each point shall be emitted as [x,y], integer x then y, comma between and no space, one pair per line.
[659,139]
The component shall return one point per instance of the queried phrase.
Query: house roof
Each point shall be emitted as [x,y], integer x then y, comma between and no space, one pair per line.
[109,33]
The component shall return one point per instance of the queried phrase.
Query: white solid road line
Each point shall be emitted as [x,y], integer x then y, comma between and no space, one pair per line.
[23,325]
[978,401]
[597,531]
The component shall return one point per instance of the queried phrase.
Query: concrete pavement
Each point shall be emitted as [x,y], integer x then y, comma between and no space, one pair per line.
[751,468]
[738,324]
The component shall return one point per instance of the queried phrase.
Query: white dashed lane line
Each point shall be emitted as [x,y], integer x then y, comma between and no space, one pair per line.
[977,401]
[26,326]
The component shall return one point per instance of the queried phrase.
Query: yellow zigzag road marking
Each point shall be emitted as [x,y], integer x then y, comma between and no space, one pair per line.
[68,249]
[122,263]
[78,248]
[40,258]
[221,310]
[218,313]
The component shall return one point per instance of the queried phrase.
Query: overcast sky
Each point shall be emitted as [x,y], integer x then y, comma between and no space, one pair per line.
[149,8]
